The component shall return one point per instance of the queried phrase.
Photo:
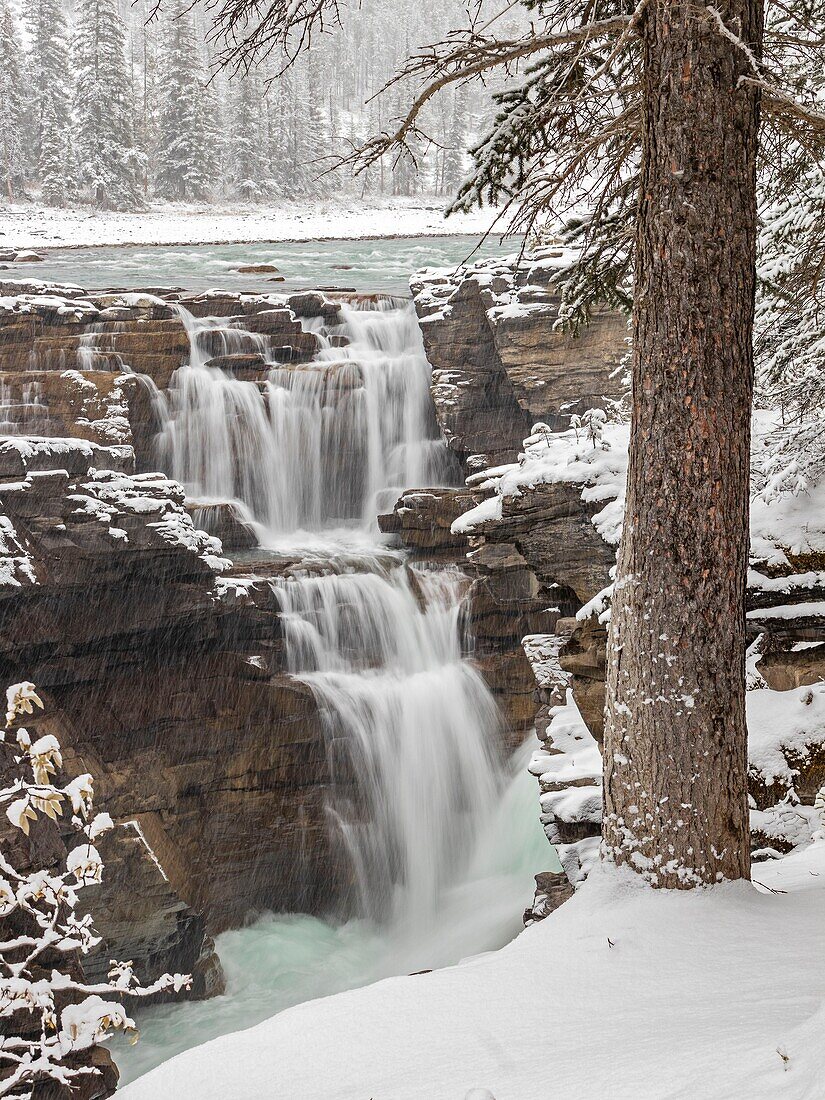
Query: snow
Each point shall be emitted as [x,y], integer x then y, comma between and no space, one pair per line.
[782,523]
[791,720]
[782,520]
[577,758]
[624,992]
[812,608]
[33,226]
[569,771]
[487,510]
[795,521]
[811,579]
[542,651]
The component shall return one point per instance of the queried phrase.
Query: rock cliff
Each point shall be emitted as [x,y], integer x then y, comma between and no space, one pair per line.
[160,662]
[500,360]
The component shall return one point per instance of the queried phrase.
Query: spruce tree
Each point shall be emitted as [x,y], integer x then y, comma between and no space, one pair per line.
[11,105]
[48,85]
[247,166]
[52,160]
[183,160]
[146,92]
[456,143]
[308,136]
[109,165]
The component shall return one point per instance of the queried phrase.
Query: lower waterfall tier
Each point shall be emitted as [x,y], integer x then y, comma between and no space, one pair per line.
[413,734]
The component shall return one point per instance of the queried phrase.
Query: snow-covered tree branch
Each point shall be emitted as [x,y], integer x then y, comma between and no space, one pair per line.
[52,1013]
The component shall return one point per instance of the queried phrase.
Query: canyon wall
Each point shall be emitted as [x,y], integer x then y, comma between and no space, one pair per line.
[160,652]
[161,663]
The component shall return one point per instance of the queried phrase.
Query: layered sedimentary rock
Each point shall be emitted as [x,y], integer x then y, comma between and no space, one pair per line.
[89,365]
[500,359]
[163,677]
[161,667]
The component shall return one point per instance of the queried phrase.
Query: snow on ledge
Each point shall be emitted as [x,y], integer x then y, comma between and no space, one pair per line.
[566,457]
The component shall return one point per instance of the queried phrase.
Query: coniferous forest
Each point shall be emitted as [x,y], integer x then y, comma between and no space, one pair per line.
[115,104]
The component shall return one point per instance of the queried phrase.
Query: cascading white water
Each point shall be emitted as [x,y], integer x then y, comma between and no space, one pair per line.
[417,733]
[443,834]
[23,410]
[317,446]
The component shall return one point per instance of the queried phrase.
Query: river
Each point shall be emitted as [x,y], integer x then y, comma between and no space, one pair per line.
[363,265]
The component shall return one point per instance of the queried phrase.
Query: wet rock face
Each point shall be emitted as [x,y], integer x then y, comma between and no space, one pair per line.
[422,519]
[474,400]
[166,683]
[501,363]
[225,521]
[140,915]
[77,364]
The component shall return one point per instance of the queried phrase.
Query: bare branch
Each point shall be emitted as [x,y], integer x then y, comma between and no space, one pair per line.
[454,67]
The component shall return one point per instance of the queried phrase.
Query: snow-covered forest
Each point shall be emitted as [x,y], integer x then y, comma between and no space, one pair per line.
[111,103]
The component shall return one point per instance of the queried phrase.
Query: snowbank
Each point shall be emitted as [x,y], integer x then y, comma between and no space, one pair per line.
[623,992]
[781,520]
[781,723]
[32,226]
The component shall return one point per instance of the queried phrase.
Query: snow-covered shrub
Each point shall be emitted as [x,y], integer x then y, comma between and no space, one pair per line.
[593,422]
[49,1012]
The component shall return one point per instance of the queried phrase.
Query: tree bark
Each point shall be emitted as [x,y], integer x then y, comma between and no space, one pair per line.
[675,741]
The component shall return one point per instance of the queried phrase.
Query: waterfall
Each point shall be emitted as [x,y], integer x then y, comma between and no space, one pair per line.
[313,447]
[441,832]
[414,736]
[414,732]
[23,410]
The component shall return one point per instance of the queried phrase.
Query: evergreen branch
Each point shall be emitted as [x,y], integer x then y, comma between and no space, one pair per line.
[777,102]
[453,67]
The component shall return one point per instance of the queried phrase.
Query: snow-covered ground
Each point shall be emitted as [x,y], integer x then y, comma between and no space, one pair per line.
[624,993]
[32,226]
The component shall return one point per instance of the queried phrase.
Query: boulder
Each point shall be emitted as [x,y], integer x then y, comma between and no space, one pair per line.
[226,520]
[422,519]
[255,269]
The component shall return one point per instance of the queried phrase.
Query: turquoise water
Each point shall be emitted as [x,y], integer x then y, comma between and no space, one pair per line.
[367,265]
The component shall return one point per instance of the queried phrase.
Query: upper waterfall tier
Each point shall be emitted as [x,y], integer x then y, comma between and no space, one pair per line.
[315,446]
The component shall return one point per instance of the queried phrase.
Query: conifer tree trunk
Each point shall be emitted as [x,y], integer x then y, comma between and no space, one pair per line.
[675,742]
